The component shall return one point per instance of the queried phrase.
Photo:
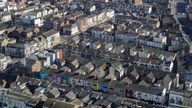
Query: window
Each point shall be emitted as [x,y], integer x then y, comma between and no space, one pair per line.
[172,100]
[111,89]
[167,69]
[88,84]
[79,82]
[94,84]
[139,95]
[157,99]
[179,102]
[5,105]
[146,96]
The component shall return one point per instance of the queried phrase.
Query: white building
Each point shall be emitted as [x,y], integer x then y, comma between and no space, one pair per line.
[148,41]
[71,29]
[161,39]
[41,41]
[4,61]
[167,66]
[155,94]
[125,37]
[52,37]
[5,17]
[85,23]
[180,98]
[17,100]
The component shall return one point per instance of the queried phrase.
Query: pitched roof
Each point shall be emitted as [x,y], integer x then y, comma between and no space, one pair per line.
[167,79]
[126,80]
[55,92]
[53,103]
[143,83]
[145,89]
[151,75]
[49,33]
[71,95]
[135,73]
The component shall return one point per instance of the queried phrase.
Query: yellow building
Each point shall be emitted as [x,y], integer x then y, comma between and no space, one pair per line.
[137,2]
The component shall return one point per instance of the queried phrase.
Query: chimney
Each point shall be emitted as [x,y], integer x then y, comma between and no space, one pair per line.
[17,78]
[67,22]
[4,83]
[176,82]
